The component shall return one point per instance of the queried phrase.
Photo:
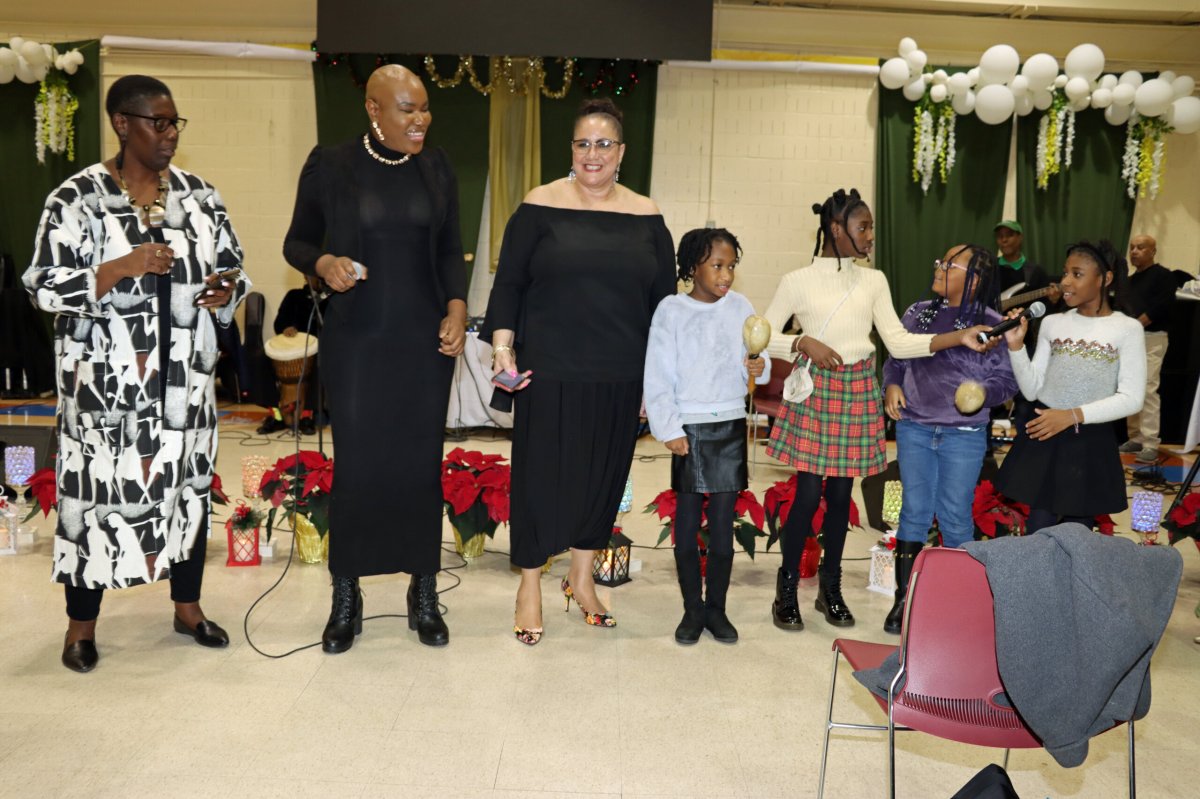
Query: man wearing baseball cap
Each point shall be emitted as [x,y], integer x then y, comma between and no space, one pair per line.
[1015,266]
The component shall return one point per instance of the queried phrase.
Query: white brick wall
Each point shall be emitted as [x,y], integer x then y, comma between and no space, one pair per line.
[250,127]
[772,144]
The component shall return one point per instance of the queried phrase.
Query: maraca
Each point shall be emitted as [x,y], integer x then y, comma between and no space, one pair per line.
[969,397]
[756,334]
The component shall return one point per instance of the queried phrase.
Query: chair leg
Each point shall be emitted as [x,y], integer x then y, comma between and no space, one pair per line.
[828,725]
[1004,765]
[1132,764]
[891,752]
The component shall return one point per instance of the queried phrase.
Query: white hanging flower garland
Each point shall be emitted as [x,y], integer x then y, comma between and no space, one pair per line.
[933,142]
[54,118]
[1144,157]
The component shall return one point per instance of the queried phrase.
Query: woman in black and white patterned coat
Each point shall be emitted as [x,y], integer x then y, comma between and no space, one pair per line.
[127,258]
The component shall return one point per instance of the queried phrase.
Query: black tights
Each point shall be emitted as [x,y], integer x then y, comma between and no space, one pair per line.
[688,509]
[799,522]
[83,604]
[1040,519]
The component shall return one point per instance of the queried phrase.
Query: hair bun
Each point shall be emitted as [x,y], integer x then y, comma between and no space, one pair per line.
[817,208]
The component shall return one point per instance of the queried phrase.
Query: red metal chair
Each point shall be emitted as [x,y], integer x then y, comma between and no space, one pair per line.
[948,682]
[767,401]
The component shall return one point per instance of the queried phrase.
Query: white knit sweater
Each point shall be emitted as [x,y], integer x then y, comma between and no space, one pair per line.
[812,292]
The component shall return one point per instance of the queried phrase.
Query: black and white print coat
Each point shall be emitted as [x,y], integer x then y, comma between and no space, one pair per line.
[134,465]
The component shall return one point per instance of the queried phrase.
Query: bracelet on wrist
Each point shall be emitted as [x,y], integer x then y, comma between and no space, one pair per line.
[496,350]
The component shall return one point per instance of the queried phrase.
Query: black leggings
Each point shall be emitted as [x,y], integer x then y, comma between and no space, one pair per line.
[83,604]
[799,522]
[1040,519]
[688,509]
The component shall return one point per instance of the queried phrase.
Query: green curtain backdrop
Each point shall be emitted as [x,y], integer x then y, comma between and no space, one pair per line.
[26,182]
[911,228]
[460,120]
[1087,201]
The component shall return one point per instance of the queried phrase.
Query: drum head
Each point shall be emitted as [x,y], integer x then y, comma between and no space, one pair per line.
[290,348]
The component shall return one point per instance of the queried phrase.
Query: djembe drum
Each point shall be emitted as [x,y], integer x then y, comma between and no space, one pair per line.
[288,355]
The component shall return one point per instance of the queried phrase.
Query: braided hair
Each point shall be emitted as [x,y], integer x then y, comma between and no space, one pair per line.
[127,94]
[696,246]
[837,208]
[981,291]
[1107,259]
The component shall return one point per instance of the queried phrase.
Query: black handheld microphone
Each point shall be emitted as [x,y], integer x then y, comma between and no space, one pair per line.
[1035,311]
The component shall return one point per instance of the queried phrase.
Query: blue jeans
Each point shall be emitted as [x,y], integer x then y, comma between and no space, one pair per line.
[939,467]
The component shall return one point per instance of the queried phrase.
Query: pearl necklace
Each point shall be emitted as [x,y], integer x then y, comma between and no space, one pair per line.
[380,158]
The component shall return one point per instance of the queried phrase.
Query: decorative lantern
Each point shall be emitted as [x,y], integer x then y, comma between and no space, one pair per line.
[253,469]
[893,495]
[18,468]
[610,566]
[1145,515]
[883,570]
[243,546]
[8,528]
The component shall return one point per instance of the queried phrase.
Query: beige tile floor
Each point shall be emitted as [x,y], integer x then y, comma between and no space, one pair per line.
[587,713]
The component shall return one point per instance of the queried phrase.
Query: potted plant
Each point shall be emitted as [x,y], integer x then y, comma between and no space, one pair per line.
[475,493]
[748,518]
[995,514]
[301,485]
[1183,521]
[777,502]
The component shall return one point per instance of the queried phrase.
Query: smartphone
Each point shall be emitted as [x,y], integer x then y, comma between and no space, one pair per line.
[225,278]
[510,382]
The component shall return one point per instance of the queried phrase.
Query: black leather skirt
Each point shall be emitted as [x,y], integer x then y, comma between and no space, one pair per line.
[716,459]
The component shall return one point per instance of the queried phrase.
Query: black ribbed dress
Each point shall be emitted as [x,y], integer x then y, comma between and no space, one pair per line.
[579,288]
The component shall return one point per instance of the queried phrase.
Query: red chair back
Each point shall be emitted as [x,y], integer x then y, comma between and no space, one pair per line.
[768,398]
[952,683]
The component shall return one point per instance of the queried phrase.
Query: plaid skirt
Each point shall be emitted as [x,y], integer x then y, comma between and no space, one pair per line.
[838,430]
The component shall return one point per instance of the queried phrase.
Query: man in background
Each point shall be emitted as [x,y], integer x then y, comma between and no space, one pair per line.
[1151,292]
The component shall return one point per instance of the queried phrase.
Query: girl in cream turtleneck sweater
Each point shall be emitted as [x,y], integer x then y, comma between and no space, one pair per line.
[836,434]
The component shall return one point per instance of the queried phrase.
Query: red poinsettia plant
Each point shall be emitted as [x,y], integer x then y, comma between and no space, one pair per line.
[748,518]
[302,484]
[475,490]
[995,514]
[42,487]
[777,501]
[1184,520]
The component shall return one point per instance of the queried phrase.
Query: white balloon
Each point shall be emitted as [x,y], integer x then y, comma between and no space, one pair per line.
[958,83]
[915,90]
[998,64]
[1019,84]
[8,58]
[973,76]
[940,76]
[1042,99]
[1132,77]
[70,68]
[894,73]
[1108,81]
[927,77]
[1117,114]
[1081,103]
[1102,98]
[6,73]
[994,104]
[938,93]
[40,72]
[1076,87]
[917,61]
[50,52]
[1084,61]
[24,71]
[964,103]
[1184,115]
[1040,70]
[1167,75]
[1122,94]
[1060,81]
[1023,104]
[77,57]
[1183,86]
[15,43]
[907,45]
[33,53]
[1153,97]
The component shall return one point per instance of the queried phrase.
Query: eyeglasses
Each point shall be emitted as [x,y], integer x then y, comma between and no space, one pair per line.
[946,266]
[160,123]
[603,145]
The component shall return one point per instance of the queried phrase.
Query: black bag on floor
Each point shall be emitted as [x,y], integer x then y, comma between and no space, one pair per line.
[991,783]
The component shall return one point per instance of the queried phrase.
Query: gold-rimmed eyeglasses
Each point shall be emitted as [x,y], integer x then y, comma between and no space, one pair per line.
[160,123]
[603,145]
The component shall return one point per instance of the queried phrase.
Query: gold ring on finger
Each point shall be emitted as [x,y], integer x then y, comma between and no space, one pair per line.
[158,253]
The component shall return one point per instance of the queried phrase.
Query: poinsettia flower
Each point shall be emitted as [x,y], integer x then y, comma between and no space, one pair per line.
[43,487]
[1104,524]
[460,490]
[663,505]
[495,477]
[748,503]
[218,493]
[497,502]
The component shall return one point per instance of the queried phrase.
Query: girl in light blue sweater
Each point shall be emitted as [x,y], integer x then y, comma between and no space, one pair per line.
[695,387]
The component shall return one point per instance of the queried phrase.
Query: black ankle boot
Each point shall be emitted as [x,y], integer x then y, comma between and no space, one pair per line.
[906,553]
[423,613]
[687,566]
[345,619]
[716,586]
[829,598]
[786,610]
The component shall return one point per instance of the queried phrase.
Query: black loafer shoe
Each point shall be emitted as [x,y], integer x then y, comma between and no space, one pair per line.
[207,633]
[80,656]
